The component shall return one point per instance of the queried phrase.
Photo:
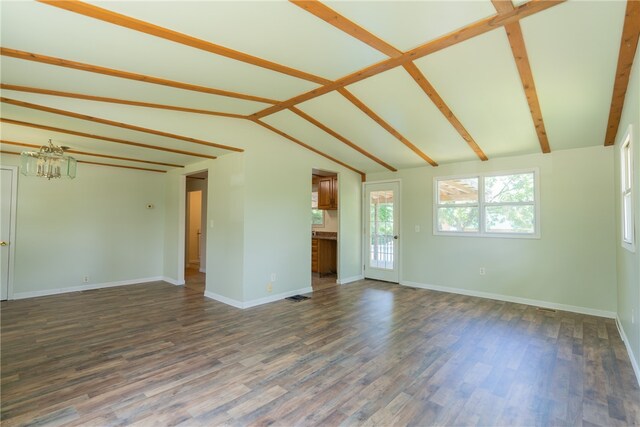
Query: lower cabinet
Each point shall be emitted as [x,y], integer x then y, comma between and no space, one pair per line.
[323,256]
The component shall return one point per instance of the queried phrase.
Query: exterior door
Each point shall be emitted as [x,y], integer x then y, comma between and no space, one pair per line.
[381,231]
[8,176]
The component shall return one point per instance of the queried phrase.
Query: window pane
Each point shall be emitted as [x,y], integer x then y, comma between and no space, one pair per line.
[317,217]
[510,219]
[627,220]
[314,199]
[381,230]
[463,219]
[509,188]
[458,191]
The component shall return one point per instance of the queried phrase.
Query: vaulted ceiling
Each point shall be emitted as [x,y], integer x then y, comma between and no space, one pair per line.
[373,85]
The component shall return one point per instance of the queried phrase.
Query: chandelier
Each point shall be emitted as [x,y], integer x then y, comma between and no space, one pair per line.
[49,162]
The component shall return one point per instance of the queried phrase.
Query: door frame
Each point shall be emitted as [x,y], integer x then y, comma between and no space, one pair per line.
[365,212]
[12,228]
[182,221]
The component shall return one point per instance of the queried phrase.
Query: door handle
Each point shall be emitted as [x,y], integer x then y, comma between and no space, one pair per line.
[4,243]
[395,237]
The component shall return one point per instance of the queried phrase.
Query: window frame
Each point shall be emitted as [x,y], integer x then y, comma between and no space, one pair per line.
[481,204]
[321,225]
[627,172]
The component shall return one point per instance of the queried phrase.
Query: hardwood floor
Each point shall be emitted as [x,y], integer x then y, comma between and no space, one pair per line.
[194,279]
[367,353]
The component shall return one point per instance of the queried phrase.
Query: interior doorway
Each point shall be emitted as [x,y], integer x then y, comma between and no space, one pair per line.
[195,232]
[324,229]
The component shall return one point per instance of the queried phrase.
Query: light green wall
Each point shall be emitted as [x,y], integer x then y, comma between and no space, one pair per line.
[573,263]
[259,202]
[95,225]
[628,263]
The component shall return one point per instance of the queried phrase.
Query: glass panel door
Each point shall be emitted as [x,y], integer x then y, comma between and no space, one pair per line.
[381,241]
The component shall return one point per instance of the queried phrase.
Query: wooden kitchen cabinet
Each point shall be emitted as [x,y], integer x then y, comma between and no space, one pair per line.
[328,192]
[323,256]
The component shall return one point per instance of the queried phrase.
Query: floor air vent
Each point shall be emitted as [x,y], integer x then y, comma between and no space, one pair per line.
[297,298]
[549,310]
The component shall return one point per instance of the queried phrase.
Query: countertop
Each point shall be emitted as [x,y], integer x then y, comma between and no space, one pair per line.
[324,235]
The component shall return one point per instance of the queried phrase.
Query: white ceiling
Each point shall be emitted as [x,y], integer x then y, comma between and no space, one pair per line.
[572,47]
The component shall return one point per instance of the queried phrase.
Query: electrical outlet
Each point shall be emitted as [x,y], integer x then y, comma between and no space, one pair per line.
[269,287]
[85,279]
[273,277]
[482,271]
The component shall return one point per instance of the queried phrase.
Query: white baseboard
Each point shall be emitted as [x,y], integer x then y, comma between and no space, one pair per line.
[634,364]
[509,298]
[350,279]
[173,281]
[46,292]
[223,299]
[255,302]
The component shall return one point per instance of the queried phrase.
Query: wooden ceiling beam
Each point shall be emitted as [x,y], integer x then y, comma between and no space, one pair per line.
[376,118]
[116,100]
[50,60]
[519,50]
[85,153]
[424,84]
[329,15]
[100,164]
[308,147]
[335,19]
[465,33]
[341,138]
[628,46]
[115,124]
[111,17]
[103,138]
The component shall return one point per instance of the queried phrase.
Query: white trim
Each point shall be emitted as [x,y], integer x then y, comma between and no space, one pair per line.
[173,281]
[202,269]
[350,279]
[12,228]
[481,205]
[509,298]
[259,301]
[634,364]
[223,299]
[627,140]
[46,292]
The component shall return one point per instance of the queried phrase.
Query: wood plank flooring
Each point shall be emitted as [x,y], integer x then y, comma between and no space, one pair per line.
[368,353]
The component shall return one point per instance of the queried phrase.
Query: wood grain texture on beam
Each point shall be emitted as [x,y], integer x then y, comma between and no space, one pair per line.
[35,57]
[85,153]
[628,46]
[421,80]
[115,18]
[465,33]
[103,138]
[100,164]
[308,147]
[519,49]
[115,124]
[116,101]
[376,118]
[341,138]
[335,19]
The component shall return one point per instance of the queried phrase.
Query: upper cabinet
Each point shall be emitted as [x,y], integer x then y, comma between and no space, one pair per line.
[328,192]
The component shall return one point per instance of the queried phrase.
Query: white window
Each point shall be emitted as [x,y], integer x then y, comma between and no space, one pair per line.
[317,215]
[626,175]
[489,205]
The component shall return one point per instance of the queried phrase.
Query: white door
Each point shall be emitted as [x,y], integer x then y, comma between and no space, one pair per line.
[8,187]
[381,209]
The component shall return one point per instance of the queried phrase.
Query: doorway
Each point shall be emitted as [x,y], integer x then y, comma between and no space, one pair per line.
[324,229]
[195,265]
[8,192]
[381,217]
